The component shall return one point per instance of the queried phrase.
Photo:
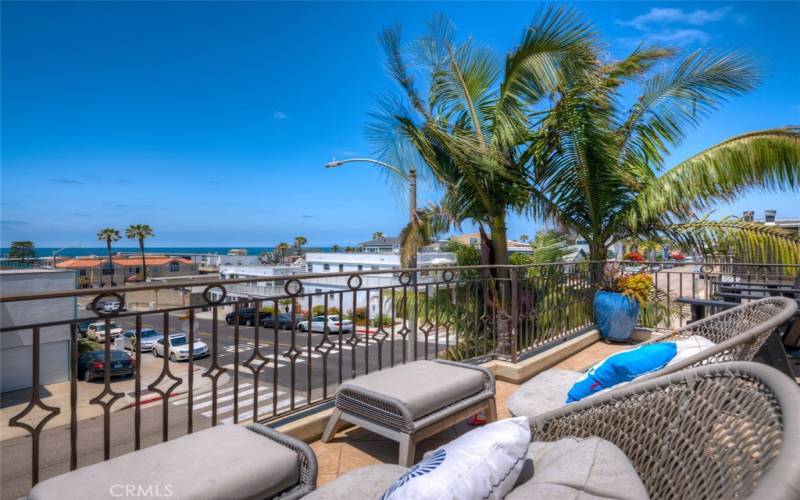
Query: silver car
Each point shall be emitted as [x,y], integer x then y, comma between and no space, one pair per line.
[149,336]
[179,347]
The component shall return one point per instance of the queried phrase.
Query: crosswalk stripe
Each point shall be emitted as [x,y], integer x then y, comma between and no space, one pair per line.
[265,394]
[202,395]
[249,414]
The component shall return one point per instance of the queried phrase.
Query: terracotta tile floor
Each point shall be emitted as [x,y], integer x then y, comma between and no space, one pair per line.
[355,447]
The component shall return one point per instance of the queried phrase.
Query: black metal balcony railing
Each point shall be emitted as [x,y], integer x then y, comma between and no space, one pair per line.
[263,373]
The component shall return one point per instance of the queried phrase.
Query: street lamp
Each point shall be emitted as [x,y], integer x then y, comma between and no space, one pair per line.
[412,189]
[412,208]
[56,252]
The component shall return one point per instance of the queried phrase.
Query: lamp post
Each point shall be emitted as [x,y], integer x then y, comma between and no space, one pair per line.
[412,208]
[56,252]
[412,190]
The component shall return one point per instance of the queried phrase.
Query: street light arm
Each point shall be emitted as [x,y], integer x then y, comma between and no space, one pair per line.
[392,168]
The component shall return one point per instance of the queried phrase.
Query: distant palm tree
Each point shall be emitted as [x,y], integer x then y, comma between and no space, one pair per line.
[140,232]
[299,241]
[524,238]
[281,249]
[109,235]
[377,235]
[336,248]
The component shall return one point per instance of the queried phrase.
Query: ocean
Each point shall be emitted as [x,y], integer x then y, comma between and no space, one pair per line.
[81,251]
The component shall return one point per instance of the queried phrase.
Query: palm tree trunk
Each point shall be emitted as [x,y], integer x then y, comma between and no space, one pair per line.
[501,297]
[597,256]
[110,262]
[144,262]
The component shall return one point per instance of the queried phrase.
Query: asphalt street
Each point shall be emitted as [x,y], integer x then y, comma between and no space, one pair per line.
[290,360]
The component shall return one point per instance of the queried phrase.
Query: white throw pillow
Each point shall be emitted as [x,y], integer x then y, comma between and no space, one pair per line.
[482,464]
[690,346]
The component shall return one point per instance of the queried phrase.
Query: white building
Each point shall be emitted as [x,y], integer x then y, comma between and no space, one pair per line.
[320,286]
[16,347]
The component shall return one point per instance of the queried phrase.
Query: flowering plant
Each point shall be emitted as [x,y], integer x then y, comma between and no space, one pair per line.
[634,256]
[637,286]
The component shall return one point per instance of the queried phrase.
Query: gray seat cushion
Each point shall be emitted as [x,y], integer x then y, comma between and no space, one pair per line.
[544,392]
[423,387]
[580,469]
[227,461]
[366,482]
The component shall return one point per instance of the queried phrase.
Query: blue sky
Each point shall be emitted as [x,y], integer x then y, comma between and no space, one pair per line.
[211,121]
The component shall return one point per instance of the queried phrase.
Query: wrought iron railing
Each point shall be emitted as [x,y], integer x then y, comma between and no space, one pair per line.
[262,364]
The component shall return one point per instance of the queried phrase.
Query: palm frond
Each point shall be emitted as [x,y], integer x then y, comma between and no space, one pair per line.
[749,241]
[674,101]
[767,159]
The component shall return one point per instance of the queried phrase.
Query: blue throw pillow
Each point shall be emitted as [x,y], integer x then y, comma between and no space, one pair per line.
[622,367]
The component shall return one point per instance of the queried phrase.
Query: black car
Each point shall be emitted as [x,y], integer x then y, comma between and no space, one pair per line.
[91,365]
[284,321]
[247,316]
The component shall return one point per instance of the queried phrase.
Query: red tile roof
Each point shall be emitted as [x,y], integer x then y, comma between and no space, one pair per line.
[83,263]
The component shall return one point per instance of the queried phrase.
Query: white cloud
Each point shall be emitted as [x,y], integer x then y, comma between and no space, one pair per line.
[280,115]
[661,16]
[670,37]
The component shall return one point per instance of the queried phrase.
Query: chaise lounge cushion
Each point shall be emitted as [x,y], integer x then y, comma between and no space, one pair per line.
[226,461]
[366,482]
[579,468]
[544,392]
[422,387]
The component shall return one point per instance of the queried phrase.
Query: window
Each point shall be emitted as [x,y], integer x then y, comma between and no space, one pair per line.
[341,268]
[132,270]
[82,272]
[360,267]
[318,290]
[108,269]
[326,267]
[174,267]
[374,268]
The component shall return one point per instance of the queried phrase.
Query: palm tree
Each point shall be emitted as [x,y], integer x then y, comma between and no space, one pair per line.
[601,168]
[299,241]
[109,235]
[140,232]
[547,136]
[377,235]
[336,248]
[523,238]
[281,249]
[471,130]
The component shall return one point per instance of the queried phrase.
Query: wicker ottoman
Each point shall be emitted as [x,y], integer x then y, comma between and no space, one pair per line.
[410,402]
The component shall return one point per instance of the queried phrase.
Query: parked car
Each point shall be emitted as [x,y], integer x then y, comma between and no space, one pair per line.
[149,336]
[179,347]
[335,324]
[284,321]
[97,331]
[91,365]
[107,306]
[247,316]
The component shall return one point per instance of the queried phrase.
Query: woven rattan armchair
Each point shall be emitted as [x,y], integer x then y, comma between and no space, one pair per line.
[729,430]
[737,333]
[305,457]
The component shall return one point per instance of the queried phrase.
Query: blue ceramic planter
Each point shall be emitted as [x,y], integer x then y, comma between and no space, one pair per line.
[615,315]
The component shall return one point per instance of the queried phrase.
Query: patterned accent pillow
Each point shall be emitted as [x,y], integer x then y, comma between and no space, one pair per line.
[482,464]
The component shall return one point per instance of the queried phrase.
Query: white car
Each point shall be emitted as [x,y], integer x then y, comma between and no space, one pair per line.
[179,347]
[97,331]
[335,324]
[149,337]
